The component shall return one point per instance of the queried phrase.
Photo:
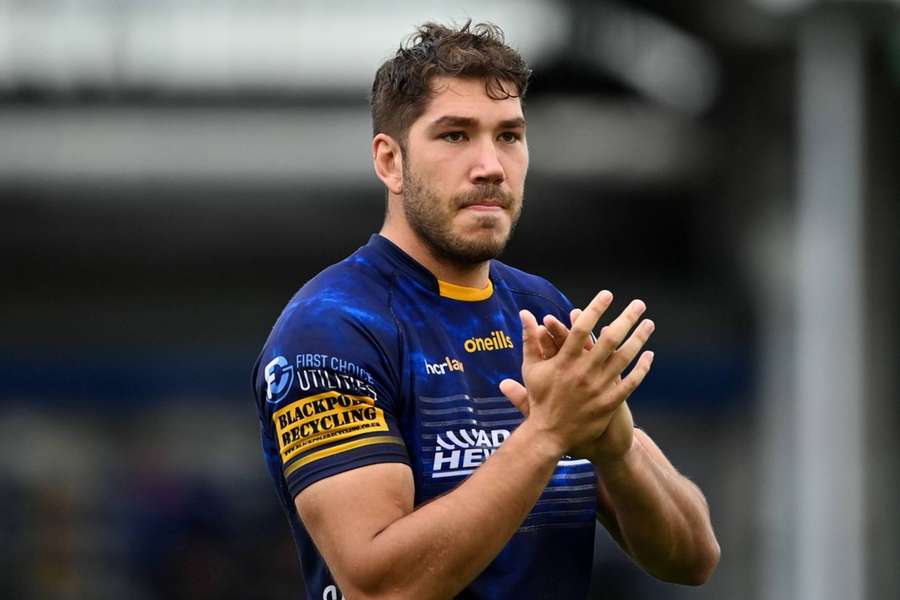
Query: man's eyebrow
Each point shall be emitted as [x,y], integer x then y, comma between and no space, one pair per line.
[454,121]
[457,121]
[517,123]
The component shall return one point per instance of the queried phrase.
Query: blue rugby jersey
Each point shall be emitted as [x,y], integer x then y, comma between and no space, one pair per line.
[374,360]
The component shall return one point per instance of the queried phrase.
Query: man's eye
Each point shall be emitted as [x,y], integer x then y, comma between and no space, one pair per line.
[454,136]
[509,137]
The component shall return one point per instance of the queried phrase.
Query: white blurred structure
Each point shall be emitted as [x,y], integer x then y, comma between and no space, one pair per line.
[229,45]
[308,53]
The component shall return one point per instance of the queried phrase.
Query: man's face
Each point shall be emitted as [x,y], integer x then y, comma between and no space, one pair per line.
[464,171]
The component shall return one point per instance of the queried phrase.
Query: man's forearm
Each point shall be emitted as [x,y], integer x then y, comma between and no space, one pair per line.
[438,549]
[662,517]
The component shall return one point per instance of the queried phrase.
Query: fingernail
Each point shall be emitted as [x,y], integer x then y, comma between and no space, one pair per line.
[650,325]
[650,354]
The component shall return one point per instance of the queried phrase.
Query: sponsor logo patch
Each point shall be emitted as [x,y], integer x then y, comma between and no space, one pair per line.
[461,451]
[310,422]
[449,365]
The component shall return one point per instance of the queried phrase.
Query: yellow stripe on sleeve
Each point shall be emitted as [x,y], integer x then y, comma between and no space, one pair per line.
[320,454]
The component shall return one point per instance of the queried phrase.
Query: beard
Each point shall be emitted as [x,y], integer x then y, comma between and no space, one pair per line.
[431,218]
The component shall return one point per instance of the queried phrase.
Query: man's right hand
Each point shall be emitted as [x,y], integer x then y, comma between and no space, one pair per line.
[574,391]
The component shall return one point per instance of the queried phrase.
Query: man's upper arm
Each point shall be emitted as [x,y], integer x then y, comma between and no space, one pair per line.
[345,512]
[328,390]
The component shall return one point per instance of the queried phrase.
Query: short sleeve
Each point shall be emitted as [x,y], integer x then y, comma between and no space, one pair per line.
[327,391]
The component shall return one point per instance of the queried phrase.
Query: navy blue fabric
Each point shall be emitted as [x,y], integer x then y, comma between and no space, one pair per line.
[368,363]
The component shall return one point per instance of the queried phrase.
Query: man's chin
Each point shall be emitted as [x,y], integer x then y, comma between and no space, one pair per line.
[481,246]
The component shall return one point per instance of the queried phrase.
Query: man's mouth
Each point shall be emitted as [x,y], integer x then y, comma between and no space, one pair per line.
[485,205]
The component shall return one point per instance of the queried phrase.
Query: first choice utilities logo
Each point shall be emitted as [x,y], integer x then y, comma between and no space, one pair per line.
[279,374]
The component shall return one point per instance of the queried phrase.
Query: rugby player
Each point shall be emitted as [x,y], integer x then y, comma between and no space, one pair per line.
[427,436]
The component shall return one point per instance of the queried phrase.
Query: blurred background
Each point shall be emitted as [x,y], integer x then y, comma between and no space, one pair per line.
[172,171]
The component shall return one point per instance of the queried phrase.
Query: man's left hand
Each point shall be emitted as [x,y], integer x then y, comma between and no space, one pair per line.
[618,438]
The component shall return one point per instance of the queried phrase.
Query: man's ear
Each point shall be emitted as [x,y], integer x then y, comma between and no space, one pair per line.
[388,161]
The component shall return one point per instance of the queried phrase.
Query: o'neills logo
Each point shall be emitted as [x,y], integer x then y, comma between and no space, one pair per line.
[498,340]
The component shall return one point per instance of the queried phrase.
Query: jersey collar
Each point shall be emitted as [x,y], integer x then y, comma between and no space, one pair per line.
[417,271]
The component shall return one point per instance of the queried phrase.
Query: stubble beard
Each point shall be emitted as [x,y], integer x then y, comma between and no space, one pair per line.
[431,218]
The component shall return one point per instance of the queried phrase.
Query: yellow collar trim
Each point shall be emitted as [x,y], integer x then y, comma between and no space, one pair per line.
[467,294]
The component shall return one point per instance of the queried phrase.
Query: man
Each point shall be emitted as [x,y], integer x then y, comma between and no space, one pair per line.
[421,446]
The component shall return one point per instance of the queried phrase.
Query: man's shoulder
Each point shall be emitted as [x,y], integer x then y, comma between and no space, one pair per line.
[353,282]
[353,292]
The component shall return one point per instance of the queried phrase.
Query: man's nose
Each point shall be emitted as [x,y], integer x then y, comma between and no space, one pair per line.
[488,168]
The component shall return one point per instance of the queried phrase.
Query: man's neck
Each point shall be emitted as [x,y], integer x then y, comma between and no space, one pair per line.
[473,276]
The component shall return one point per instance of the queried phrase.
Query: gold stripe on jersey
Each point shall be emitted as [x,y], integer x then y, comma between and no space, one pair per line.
[467,294]
[345,447]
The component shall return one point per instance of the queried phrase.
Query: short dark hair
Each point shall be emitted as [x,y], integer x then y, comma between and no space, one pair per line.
[402,85]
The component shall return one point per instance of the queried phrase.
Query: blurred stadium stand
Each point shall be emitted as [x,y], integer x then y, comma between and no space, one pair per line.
[171,172]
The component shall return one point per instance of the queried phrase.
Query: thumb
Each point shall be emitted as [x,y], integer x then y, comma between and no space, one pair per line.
[515,393]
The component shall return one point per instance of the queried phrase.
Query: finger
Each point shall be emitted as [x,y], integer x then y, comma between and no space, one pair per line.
[636,376]
[584,325]
[531,347]
[558,331]
[612,335]
[573,316]
[516,393]
[548,345]
[622,357]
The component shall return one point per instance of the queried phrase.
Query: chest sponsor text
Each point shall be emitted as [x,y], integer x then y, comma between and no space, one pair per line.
[497,340]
